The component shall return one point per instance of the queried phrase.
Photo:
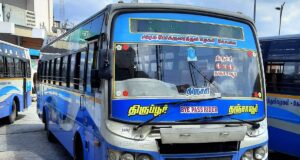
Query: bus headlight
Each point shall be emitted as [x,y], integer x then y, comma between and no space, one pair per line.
[143,157]
[119,155]
[113,155]
[248,155]
[261,152]
[127,156]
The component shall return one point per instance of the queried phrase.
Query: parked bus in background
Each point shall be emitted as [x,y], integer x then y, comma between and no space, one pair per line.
[282,65]
[156,81]
[15,80]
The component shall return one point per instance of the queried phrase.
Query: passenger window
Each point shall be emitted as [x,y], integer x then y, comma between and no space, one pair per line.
[10,66]
[18,64]
[68,70]
[45,73]
[54,71]
[72,67]
[91,64]
[40,71]
[83,68]
[60,70]
[28,69]
[76,78]
[64,70]
[2,67]
[50,72]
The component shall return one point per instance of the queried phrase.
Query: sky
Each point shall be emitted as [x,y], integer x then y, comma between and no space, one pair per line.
[267,17]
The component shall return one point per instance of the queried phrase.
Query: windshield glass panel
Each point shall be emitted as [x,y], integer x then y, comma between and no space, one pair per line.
[145,70]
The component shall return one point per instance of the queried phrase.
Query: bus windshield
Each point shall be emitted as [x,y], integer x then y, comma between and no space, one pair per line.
[147,70]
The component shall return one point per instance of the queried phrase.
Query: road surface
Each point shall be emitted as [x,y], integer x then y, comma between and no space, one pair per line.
[26,140]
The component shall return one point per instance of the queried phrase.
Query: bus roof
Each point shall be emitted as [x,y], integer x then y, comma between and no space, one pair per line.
[162,8]
[13,45]
[285,37]
[175,7]
[15,49]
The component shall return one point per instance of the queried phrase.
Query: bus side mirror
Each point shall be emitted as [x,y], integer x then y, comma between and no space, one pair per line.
[105,64]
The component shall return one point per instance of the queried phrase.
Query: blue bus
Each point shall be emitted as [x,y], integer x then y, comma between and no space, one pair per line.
[15,80]
[282,65]
[156,82]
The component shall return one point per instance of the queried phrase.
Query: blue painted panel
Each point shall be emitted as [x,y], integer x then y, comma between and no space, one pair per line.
[284,142]
[141,110]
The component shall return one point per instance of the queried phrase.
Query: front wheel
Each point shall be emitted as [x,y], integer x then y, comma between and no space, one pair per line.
[12,117]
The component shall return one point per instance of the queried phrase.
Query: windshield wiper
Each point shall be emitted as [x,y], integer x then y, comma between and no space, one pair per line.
[175,103]
[211,118]
[210,81]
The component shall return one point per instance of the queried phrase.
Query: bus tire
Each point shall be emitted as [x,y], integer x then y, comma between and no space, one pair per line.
[12,117]
[78,148]
[51,138]
[44,120]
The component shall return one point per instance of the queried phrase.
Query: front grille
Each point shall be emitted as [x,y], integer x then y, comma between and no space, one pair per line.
[197,148]
[212,158]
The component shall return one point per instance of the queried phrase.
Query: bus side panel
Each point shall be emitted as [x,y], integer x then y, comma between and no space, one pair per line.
[284,141]
[9,89]
[284,124]
[63,106]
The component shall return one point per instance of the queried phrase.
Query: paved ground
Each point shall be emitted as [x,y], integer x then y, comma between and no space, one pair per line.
[26,140]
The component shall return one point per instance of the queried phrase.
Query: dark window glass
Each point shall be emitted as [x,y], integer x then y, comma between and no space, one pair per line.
[18,64]
[83,68]
[60,70]
[10,66]
[64,70]
[77,71]
[91,64]
[40,71]
[54,70]
[28,69]
[50,72]
[283,77]
[180,27]
[6,72]
[45,74]
[68,70]
[2,67]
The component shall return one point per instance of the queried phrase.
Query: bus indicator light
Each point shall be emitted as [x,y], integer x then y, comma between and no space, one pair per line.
[125,93]
[118,93]
[125,47]
[250,54]
[119,47]
[257,94]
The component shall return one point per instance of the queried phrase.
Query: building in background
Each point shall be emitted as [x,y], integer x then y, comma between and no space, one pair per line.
[26,23]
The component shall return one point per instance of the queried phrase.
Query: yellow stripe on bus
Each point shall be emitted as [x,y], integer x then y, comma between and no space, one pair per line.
[283,96]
